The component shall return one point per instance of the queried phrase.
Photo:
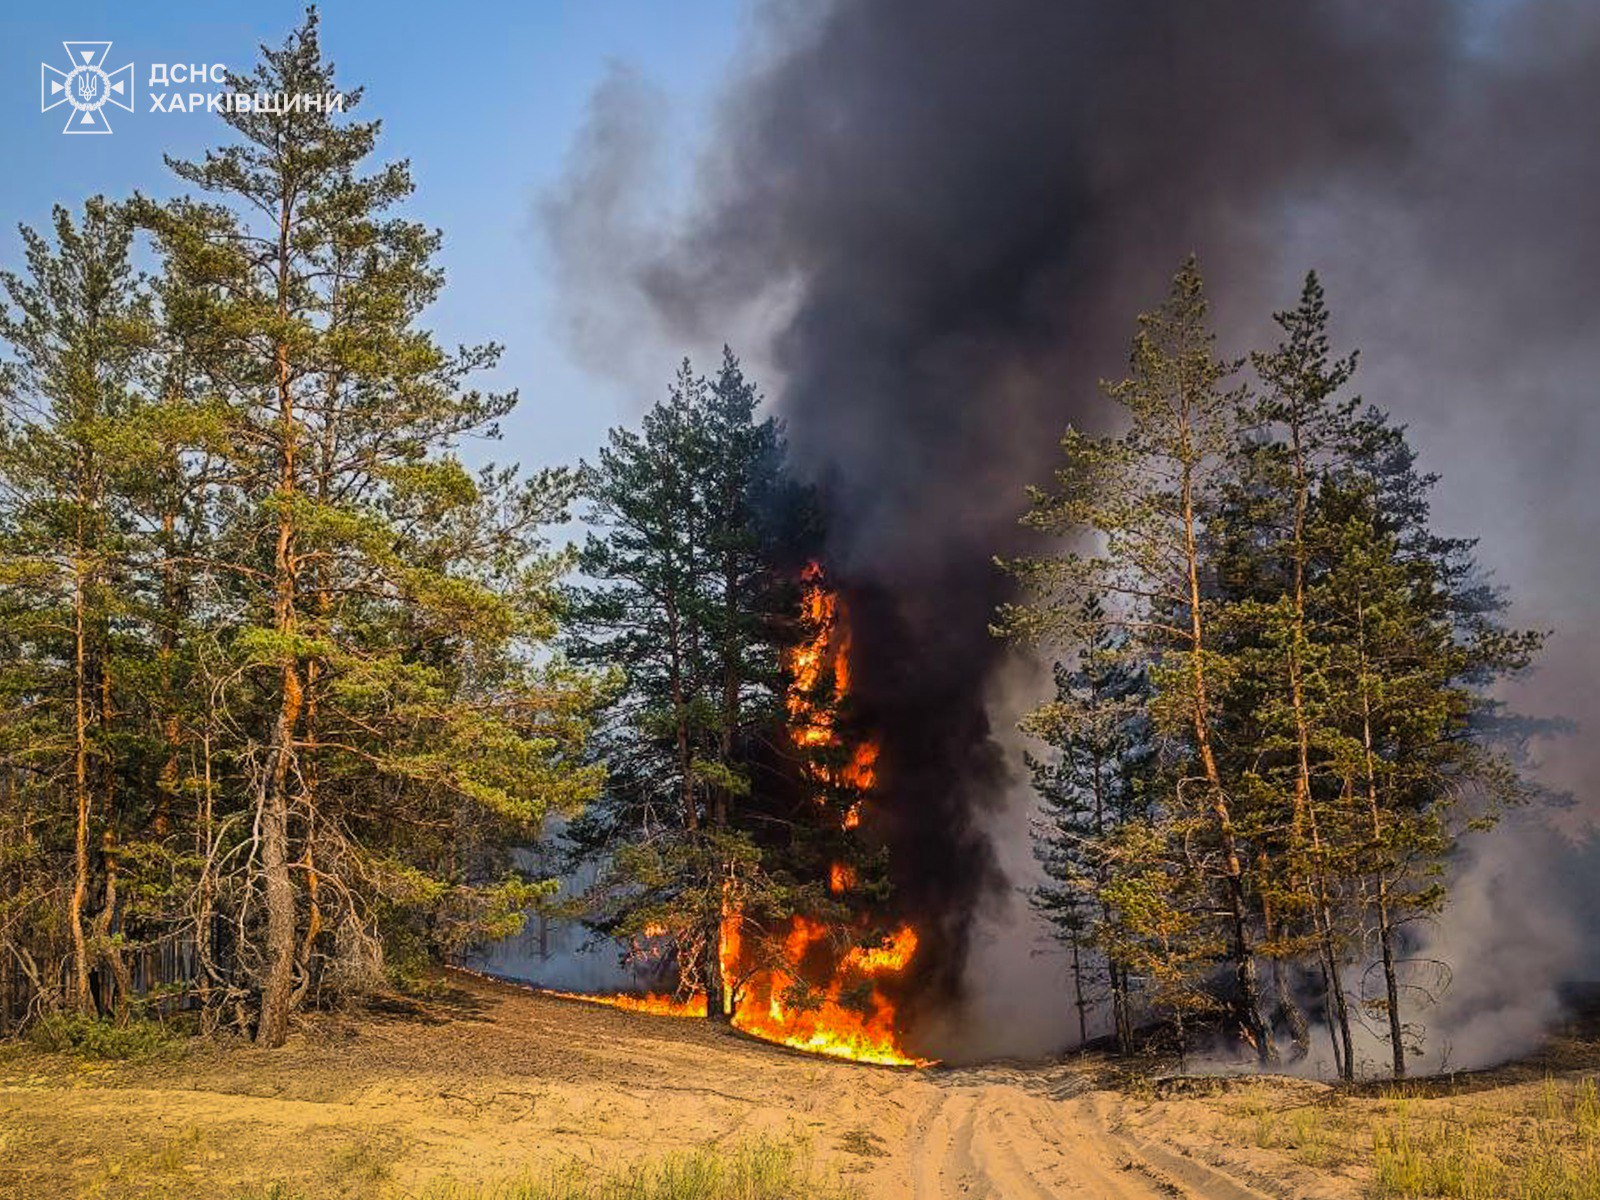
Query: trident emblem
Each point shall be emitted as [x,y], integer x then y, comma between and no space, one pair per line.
[86,87]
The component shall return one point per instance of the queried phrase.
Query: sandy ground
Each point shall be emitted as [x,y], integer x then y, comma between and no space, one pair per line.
[492,1079]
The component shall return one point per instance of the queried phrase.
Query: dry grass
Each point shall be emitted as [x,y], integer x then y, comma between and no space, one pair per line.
[1426,1142]
[1304,1132]
[758,1170]
[1549,1153]
[762,1169]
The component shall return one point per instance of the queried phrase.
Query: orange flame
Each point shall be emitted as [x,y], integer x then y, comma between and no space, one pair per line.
[849,1016]
[812,707]
[656,1003]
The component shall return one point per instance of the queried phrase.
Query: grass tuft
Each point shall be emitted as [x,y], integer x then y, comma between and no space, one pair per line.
[1304,1131]
[863,1142]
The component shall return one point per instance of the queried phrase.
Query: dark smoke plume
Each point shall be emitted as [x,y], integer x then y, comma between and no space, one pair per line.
[935,219]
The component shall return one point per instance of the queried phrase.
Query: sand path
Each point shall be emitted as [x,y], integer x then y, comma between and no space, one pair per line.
[496,1080]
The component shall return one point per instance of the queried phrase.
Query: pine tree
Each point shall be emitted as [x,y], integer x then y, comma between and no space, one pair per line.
[1318,656]
[1413,641]
[1091,788]
[645,615]
[382,599]
[694,599]
[1334,515]
[1146,495]
[75,325]
[1300,429]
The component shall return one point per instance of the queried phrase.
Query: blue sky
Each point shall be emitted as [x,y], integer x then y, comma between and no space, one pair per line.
[483,98]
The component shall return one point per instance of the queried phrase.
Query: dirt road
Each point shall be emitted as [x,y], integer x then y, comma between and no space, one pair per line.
[998,1141]
[493,1079]
[1041,1134]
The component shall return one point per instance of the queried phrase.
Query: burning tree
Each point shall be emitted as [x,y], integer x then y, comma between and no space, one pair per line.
[730,836]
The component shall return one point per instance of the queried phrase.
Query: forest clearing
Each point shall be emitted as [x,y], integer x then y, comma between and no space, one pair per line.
[485,1086]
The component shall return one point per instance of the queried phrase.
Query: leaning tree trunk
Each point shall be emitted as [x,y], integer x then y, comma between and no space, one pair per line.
[1285,1006]
[1241,950]
[108,926]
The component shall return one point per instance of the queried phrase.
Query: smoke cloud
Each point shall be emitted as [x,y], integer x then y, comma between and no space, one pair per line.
[930,222]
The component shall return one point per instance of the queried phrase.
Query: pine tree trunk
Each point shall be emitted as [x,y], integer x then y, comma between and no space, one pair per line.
[273,814]
[717,1007]
[1391,981]
[1340,1056]
[680,716]
[1338,1002]
[303,961]
[1120,1014]
[109,925]
[81,998]
[106,927]
[1241,950]
[1285,1007]
[1392,985]
[325,449]
[167,778]
[1081,1004]
[205,898]
[1304,814]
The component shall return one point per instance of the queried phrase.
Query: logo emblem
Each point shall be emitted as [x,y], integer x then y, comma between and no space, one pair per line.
[86,87]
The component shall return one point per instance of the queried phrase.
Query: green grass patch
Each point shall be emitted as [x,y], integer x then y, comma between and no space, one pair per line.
[96,1038]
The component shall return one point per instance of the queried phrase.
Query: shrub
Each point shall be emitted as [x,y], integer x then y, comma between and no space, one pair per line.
[95,1037]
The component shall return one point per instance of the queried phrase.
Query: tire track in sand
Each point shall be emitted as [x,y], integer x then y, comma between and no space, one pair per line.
[997,1142]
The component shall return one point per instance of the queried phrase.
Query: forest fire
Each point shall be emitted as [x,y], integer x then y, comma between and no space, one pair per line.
[778,998]
[819,672]
[851,1019]
[657,1004]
